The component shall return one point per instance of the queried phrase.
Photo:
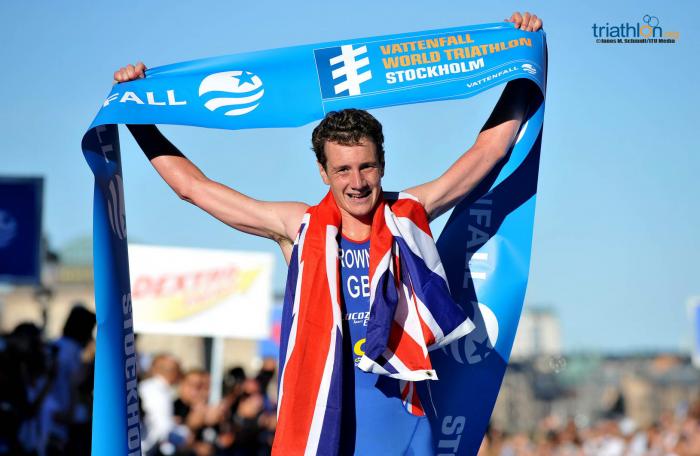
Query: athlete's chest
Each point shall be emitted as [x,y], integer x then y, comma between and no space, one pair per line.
[354,277]
[354,270]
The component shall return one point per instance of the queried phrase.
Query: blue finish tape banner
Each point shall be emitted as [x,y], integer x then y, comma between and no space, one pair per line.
[485,246]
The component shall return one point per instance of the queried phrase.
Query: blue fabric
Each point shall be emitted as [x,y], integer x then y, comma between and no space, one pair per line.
[489,233]
[377,400]
[354,276]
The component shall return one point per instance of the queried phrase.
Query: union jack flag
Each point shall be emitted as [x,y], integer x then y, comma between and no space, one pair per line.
[411,313]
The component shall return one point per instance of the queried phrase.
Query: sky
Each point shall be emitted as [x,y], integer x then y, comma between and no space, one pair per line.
[616,237]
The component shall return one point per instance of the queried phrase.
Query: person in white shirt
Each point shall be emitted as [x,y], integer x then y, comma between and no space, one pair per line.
[157,396]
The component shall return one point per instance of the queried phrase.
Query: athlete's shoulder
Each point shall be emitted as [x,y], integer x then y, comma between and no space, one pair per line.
[404,197]
[404,201]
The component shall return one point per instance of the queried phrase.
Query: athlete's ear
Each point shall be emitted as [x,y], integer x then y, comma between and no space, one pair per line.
[323,173]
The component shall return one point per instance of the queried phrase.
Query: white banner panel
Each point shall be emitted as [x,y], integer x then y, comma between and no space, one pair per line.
[200,292]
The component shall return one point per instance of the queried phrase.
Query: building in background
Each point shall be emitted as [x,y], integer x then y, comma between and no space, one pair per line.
[541,382]
[587,388]
[539,333]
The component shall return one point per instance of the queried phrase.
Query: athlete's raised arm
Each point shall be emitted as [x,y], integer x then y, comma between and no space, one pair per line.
[273,220]
[491,145]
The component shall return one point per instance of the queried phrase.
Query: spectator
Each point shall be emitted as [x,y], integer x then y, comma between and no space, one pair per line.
[192,409]
[162,435]
[672,435]
[26,375]
[62,409]
[249,426]
[266,374]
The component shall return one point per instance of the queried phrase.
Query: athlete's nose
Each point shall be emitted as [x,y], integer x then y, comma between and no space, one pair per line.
[356,179]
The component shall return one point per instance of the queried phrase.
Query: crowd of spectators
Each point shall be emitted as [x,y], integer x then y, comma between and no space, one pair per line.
[46,389]
[673,434]
[46,399]
[46,404]
[179,420]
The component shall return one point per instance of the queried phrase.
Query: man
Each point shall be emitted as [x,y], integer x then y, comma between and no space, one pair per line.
[157,398]
[350,155]
[66,413]
[192,409]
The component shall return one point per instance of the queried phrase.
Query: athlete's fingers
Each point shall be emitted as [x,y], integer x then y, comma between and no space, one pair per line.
[120,74]
[526,21]
[532,23]
[140,68]
[516,19]
[538,24]
[130,73]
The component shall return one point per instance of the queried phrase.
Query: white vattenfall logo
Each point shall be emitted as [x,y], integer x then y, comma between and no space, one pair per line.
[350,69]
[242,91]
[478,344]
[115,207]
[8,228]
[528,68]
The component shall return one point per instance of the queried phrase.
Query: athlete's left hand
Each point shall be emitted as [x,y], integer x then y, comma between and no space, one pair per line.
[528,22]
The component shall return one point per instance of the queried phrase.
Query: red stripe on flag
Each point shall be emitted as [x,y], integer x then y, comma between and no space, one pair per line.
[381,240]
[407,350]
[304,369]
[411,400]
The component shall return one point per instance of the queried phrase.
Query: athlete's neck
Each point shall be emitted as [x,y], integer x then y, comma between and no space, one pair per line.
[356,229]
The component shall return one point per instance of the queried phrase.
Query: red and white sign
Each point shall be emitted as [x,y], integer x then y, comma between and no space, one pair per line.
[201,292]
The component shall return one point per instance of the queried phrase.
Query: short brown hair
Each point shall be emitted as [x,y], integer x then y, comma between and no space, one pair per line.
[347,127]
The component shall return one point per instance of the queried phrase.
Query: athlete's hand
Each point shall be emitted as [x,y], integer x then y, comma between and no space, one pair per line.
[129,73]
[528,22]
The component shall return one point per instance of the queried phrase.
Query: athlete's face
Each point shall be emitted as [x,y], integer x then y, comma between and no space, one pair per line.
[355,177]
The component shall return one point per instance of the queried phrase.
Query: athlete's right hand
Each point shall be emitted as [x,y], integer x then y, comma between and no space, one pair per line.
[129,73]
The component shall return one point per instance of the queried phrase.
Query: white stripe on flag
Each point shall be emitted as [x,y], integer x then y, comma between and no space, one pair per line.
[421,244]
[404,373]
[460,331]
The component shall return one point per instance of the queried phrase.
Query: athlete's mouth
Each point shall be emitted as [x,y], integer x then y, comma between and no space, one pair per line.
[359,196]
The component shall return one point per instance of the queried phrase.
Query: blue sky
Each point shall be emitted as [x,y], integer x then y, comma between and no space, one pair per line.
[616,233]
